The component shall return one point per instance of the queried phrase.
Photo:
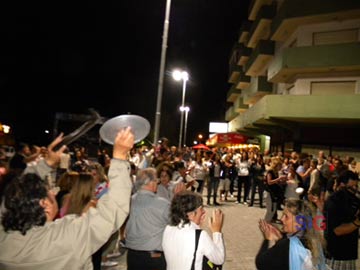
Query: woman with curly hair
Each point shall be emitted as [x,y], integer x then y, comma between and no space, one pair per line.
[28,237]
[187,213]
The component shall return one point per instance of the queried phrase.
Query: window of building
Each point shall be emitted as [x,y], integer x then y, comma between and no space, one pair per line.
[336,37]
[333,88]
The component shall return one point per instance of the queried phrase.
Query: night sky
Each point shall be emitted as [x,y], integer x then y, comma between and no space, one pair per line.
[69,56]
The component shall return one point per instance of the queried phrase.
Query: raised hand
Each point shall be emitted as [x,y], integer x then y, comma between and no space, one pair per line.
[53,156]
[216,220]
[269,231]
[124,141]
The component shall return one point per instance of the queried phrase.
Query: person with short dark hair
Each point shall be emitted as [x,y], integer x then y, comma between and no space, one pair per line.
[30,239]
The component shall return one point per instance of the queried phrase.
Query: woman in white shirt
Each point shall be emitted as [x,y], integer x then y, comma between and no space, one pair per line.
[178,243]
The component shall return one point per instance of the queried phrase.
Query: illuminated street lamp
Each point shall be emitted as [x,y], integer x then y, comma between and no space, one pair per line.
[200,137]
[186,109]
[184,76]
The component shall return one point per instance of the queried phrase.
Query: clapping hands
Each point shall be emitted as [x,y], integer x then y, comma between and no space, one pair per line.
[269,231]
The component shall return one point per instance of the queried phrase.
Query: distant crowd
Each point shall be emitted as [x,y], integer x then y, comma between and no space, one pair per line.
[167,185]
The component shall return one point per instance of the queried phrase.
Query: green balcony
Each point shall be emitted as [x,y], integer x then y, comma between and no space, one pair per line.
[260,58]
[314,61]
[304,110]
[294,13]
[233,94]
[261,27]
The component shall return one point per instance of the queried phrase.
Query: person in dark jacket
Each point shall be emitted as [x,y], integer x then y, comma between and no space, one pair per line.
[342,220]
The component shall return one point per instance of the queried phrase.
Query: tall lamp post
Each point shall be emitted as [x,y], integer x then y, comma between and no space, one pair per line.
[186,109]
[161,73]
[184,76]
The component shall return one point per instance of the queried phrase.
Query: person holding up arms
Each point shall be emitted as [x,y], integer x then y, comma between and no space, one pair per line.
[30,239]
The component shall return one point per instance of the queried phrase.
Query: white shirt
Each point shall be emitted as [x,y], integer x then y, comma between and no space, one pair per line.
[179,246]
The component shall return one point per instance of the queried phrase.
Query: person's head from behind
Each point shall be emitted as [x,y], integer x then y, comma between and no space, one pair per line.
[66,180]
[27,203]
[186,206]
[146,179]
[180,167]
[98,172]
[82,192]
[348,180]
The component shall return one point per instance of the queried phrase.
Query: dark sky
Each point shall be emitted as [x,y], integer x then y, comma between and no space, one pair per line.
[68,56]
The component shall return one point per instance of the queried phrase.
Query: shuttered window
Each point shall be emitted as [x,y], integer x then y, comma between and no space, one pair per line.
[333,88]
[336,37]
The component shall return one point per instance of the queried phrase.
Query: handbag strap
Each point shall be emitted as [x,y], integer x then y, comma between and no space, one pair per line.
[197,236]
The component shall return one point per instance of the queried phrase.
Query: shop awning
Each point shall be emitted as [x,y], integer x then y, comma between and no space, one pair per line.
[227,139]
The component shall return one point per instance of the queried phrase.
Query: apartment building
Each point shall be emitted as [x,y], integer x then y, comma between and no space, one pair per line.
[295,75]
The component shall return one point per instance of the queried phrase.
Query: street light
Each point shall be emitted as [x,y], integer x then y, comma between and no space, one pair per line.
[161,72]
[186,109]
[184,76]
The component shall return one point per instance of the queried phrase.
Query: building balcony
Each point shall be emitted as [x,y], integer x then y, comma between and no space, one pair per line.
[294,13]
[243,54]
[244,32]
[230,114]
[258,88]
[239,54]
[260,58]
[314,61]
[255,6]
[235,71]
[239,105]
[243,81]
[305,110]
[233,94]
[261,27]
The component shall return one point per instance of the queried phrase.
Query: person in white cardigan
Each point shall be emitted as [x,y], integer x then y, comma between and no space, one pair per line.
[187,213]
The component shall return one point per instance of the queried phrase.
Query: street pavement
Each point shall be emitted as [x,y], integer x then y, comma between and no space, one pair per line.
[241,234]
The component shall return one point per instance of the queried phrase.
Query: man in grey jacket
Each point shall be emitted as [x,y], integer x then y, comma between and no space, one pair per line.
[29,239]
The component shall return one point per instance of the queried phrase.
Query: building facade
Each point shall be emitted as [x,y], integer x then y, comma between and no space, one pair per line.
[295,75]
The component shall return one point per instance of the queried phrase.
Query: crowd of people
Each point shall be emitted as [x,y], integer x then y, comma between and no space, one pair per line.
[64,209]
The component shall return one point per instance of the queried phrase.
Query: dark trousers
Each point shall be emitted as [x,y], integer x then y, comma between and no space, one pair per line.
[212,188]
[246,181]
[259,183]
[145,260]
[96,259]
